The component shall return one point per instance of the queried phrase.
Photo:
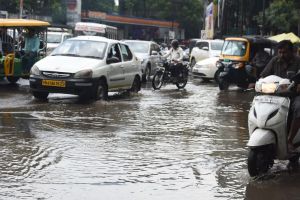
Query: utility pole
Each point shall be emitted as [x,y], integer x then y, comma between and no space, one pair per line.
[263,19]
[21,9]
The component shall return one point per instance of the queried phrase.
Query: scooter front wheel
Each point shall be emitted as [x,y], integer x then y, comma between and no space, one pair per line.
[260,160]
[157,80]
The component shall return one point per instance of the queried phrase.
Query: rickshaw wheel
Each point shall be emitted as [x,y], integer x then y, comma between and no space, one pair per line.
[12,79]
[223,84]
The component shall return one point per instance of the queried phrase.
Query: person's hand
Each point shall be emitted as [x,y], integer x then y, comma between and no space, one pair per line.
[298,88]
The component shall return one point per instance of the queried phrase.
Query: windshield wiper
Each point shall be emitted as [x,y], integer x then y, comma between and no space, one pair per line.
[66,54]
[97,57]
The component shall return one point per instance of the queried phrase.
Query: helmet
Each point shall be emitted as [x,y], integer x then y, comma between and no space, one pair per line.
[175,44]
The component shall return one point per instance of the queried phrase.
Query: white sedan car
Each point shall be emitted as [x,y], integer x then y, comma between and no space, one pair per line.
[88,66]
[206,69]
[205,49]
[149,54]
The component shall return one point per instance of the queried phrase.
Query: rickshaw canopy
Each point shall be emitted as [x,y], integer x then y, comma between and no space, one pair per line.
[23,23]
[286,36]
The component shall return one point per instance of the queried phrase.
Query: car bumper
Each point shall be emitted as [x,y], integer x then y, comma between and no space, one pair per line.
[203,72]
[71,86]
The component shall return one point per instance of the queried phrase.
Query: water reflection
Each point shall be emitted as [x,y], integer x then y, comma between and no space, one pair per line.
[166,144]
[279,186]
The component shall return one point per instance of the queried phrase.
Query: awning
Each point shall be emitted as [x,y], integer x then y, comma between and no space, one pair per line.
[286,36]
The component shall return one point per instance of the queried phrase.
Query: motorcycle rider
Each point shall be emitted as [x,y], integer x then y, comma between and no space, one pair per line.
[176,57]
[286,61]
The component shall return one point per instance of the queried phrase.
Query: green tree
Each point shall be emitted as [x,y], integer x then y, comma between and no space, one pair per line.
[99,5]
[281,16]
[188,13]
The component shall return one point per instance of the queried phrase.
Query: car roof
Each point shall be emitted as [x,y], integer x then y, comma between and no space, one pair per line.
[145,41]
[210,40]
[58,33]
[96,38]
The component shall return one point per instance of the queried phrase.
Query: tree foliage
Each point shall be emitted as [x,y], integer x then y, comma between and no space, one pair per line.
[188,13]
[281,16]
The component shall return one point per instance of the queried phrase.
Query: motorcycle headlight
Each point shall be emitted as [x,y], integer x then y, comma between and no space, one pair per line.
[35,70]
[87,73]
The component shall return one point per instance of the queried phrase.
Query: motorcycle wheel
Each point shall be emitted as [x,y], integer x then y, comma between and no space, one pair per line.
[223,84]
[182,82]
[260,160]
[157,80]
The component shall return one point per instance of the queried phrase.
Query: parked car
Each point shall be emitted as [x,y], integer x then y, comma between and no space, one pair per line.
[205,49]
[55,38]
[192,43]
[206,69]
[88,66]
[149,54]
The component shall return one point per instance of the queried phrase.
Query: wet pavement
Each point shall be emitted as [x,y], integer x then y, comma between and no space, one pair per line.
[166,144]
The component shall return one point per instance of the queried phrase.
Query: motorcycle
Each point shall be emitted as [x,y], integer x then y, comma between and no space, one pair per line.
[163,75]
[235,73]
[268,123]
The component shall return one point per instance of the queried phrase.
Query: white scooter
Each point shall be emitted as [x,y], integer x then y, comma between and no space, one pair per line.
[268,123]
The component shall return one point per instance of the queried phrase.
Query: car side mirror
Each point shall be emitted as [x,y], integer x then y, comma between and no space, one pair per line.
[154,53]
[112,60]
[205,48]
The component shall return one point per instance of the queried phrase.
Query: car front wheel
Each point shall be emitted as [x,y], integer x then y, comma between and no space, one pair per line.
[101,91]
[136,85]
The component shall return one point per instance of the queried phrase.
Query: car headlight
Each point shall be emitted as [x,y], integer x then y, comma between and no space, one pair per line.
[144,60]
[87,73]
[219,64]
[35,71]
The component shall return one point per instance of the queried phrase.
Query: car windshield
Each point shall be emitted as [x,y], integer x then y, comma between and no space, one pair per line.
[53,38]
[217,45]
[234,48]
[81,48]
[139,47]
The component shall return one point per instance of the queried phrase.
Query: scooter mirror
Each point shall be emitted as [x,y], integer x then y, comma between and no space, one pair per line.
[290,74]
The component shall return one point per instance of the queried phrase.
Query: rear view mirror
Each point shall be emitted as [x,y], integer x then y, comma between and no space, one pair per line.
[154,53]
[290,74]
[112,60]
[205,48]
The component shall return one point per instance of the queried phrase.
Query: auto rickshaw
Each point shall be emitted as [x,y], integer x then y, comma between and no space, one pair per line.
[11,33]
[235,65]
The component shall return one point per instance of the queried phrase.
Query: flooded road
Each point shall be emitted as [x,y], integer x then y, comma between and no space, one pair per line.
[167,144]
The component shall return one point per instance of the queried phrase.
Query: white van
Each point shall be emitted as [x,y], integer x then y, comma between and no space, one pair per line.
[54,39]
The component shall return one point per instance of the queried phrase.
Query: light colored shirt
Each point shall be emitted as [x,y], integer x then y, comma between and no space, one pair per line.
[175,54]
[32,44]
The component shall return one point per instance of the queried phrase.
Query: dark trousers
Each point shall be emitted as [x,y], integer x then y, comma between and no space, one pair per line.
[175,68]
[28,59]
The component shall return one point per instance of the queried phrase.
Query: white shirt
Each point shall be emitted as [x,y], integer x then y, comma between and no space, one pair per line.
[175,54]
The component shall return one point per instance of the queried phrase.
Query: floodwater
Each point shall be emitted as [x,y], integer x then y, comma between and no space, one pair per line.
[154,145]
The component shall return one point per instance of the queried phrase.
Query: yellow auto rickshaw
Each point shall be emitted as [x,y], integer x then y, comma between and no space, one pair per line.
[12,32]
[236,64]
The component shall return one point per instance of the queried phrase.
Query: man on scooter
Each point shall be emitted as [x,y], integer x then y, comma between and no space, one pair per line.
[286,61]
[176,58]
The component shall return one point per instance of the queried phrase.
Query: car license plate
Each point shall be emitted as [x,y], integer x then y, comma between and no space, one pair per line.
[54,83]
